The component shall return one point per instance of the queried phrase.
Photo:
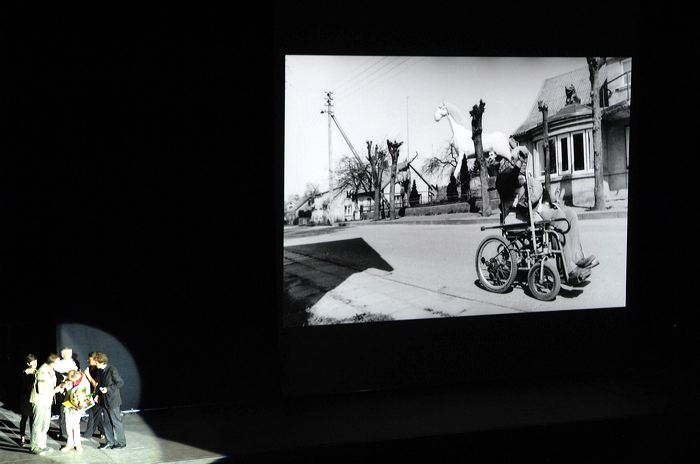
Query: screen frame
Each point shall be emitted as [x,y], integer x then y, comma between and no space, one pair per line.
[420,353]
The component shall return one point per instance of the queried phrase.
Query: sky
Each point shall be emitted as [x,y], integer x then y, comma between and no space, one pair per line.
[395,97]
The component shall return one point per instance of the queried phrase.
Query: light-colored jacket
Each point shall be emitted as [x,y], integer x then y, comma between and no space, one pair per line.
[44,385]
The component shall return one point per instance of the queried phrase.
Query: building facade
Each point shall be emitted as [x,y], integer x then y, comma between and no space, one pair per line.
[570,131]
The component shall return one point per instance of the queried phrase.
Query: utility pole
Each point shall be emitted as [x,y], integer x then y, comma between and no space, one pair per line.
[408,154]
[408,146]
[329,112]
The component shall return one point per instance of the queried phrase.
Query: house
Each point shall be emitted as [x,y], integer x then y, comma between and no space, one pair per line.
[405,176]
[343,206]
[570,125]
[298,211]
[290,208]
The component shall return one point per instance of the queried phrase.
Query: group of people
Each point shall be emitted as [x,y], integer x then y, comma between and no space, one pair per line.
[95,391]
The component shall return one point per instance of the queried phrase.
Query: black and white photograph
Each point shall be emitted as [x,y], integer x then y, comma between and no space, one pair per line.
[388,160]
[485,253]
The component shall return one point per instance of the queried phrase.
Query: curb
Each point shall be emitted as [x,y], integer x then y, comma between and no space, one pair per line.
[582,216]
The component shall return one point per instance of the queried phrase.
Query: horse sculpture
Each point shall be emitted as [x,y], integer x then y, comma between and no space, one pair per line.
[494,142]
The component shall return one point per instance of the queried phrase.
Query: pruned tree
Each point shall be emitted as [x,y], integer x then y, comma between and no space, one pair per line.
[377,163]
[394,153]
[544,109]
[594,66]
[476,113]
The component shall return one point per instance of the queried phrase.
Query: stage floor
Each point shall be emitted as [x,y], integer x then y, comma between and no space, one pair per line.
[143,446]
[632,413]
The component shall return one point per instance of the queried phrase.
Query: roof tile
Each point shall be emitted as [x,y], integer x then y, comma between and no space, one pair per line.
[553,94]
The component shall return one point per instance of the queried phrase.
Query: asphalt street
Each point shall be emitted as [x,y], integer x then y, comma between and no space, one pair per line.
[397,272]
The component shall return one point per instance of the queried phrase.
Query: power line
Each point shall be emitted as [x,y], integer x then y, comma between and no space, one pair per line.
[360,77]
[359,83]
[379,103]
[382,76]
[350,80]
[378,79]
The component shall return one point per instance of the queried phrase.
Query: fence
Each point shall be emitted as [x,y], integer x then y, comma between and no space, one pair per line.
[427,198]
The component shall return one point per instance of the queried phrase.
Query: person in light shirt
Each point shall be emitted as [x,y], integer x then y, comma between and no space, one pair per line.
[77,389]
[62,367]
[41,398]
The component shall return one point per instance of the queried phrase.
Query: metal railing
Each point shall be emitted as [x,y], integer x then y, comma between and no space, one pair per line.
[425,198]
[627,83]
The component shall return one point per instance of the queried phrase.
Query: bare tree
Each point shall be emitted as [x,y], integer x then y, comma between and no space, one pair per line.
[377,163]
[394,153]
[476,114]
[353,174]
[311,190]
[437,165]
[594,66]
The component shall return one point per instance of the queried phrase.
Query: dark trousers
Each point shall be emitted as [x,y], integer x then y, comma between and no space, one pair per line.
[95,421]
[62,422]
[114,428]
[23,423]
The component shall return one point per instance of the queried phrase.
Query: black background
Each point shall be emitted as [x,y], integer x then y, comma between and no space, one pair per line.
[141,177]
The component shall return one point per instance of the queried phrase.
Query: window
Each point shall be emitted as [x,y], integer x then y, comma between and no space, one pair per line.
[564,154]
[552,156]
[570,152]
[627,68]
[539,169]
[579,152]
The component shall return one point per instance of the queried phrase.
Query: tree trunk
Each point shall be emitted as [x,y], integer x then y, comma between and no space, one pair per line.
[476,113]
[394,153]
[545,146]
[376,176]
[594,66]
[392,191]
[377,200]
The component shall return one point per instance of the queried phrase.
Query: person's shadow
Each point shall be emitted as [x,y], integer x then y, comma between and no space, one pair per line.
[312,270]
[11,431]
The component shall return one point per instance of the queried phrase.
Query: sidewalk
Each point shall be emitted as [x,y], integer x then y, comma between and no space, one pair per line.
[476,218]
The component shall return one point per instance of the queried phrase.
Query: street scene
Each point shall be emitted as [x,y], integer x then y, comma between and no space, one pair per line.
[394,164]
[396,272]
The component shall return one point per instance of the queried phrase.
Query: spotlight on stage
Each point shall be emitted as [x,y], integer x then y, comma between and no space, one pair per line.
[84,339]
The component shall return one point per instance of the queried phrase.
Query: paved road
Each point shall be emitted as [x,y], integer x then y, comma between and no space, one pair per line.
[380,272]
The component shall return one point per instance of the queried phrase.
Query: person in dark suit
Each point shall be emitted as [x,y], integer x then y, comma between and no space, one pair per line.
[25,406]
[110,401]
[95,416]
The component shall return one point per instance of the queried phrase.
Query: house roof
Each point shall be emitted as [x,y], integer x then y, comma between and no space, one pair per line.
[552,93]
[301,202]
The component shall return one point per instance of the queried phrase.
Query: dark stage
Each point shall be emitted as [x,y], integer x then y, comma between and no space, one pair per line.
[141,209]
[590,419]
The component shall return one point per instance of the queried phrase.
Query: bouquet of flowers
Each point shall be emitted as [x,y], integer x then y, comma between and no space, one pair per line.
[79,399]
